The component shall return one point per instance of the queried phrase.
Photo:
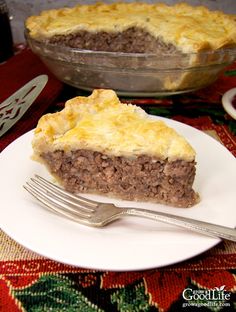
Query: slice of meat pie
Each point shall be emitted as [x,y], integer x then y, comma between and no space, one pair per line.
[97,144]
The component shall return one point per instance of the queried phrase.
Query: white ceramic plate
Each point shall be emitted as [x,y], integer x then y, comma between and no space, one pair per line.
[128,244]
[227,102]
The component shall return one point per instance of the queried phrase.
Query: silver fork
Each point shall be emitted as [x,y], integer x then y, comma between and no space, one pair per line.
[97,214]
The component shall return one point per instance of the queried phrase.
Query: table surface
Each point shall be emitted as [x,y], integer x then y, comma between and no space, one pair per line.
[29,282]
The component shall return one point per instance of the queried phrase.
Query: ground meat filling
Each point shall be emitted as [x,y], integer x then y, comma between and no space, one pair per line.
[143,178]
[132,40]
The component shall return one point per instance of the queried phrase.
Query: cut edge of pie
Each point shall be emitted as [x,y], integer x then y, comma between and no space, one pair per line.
[182,27]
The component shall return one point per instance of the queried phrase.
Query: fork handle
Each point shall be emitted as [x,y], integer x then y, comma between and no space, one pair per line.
[191,224]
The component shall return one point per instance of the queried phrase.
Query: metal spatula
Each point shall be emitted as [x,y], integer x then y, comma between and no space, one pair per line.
[14,107]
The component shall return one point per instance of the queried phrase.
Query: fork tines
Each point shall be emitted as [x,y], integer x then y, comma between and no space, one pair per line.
[57,199]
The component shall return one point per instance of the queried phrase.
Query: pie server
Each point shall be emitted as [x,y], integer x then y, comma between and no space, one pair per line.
[14,107]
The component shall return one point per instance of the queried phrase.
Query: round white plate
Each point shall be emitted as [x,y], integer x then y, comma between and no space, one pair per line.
[227,102]
[130,243]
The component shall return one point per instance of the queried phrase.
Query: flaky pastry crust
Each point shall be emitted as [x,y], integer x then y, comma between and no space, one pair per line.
[100,122]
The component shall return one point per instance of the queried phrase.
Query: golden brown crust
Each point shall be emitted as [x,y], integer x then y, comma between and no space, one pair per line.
[101,123]
[190,29]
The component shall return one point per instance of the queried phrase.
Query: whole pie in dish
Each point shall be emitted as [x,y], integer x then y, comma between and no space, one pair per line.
[97,144]
[135,27]
[134,48]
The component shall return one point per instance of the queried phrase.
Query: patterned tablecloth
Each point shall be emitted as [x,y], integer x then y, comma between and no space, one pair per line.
[29,282]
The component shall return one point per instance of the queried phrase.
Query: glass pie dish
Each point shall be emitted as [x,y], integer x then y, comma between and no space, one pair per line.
[133,74]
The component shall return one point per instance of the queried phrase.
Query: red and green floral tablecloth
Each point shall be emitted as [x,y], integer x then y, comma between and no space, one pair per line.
[29,282]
